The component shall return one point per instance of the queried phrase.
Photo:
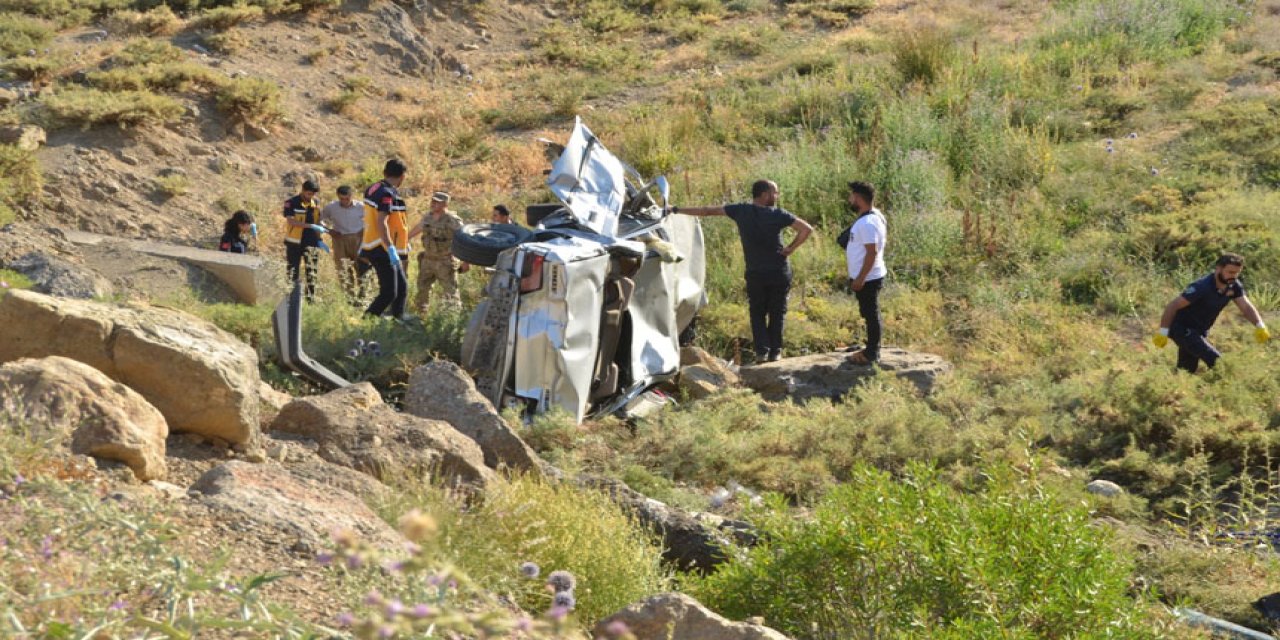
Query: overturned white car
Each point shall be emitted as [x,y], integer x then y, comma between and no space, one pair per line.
[584,311]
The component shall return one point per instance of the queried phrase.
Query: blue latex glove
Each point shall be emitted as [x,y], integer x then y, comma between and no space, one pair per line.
[324,247]
[394,256]
[253,229]
[318,228]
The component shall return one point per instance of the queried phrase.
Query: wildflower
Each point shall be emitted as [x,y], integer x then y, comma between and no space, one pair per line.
[1111,150]
[118,605]
[354,353]
[393,566]
[523,623]
[1109,142]
[564,599]
[386,631]
[434,580]
[530,570]
[617,628]
[421,611]
[561,581]
[324,559]
[359,343]
[394,608]
[4,284]
[373,348]
[373,599]
[1155,171]
[453,585]
[1133,135]
[345,619]
[18,479]
[417,525]
[557,613]
[46,547]
[354,562]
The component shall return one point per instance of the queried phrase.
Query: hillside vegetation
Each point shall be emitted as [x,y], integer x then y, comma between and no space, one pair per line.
[1052,174]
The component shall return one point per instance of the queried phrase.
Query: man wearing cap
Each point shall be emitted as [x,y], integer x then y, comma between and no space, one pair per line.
[386,240]
[345,219]
[436,263]
[302,236]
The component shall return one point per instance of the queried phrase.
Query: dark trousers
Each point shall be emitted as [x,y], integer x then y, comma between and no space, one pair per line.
[302,264]
[869,309]
[767,306]
[1193,348]
[393,285]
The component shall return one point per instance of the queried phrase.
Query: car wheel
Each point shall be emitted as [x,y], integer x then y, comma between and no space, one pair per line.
[480,244]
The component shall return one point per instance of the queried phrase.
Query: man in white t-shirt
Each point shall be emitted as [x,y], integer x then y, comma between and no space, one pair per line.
[864,255]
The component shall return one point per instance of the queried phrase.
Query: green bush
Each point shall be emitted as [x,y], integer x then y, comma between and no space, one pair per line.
[19,34]
[226,17]
[923,54]
[556,526]
[20,178]
[39,70]
[176,77]
[913,558]
[91,107]
[145,51]
[160,21]
[251,100]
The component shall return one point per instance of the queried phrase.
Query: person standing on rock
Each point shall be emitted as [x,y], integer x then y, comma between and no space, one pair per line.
[302,236]
[386,240]
[768,272]
[864,257]
[1188,318]
[237,231]
[436,264]
[345,219]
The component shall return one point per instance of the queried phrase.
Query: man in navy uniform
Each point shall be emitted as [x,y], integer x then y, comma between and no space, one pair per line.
[1188,318]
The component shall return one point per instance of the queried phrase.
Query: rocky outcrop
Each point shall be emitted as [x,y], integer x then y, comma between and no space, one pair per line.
[691,541]
[354,428]
[401,39]
[833,375]
[201,378]
[102,417]
[58,277]
[441,390]
[27,137]
[675,616]
[309,511]
[702,374]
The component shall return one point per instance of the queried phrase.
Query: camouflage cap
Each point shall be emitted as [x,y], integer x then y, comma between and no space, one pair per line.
[440,196]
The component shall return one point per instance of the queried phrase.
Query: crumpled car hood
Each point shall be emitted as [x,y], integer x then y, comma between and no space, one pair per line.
[590,181]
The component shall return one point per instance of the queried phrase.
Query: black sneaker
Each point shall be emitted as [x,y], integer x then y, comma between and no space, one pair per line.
[774,355]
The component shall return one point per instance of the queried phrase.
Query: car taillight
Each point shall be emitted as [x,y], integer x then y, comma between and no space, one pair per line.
[531,278]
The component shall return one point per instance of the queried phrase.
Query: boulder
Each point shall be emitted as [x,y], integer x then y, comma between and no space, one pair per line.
[201,378]
[441,390]
[401,39]
[702,374]
[676,616]
[58,277]
[1104,488]
[692,541]
[833,375]
[27,137]
[103,418]
[354,428]
[271,401]
[307,510]
[8,96]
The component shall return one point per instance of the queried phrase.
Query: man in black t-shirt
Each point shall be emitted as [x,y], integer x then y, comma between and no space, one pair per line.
[1188,318]
[768,274]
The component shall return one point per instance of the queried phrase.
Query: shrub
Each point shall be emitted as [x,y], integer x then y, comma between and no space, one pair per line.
[226,17]
[20,34]
[91,107]
[178,77]
[145,51]
[250,100]
[39,70]
[172,185]
[20,179]
[914,558]
[160,21]
[922,54]
[556,526]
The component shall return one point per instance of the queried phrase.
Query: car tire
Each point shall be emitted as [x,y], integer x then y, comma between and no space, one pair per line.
[480,244]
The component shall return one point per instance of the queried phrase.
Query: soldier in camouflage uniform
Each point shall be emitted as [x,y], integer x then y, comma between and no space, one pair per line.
[436,263]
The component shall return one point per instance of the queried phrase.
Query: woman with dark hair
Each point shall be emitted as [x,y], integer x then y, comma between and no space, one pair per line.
[236,231]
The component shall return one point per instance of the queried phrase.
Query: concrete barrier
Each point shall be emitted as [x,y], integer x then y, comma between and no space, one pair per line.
[250,277]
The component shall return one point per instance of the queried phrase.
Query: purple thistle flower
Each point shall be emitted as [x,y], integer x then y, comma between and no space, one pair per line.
[118,605]
[434,580]
[345,619]
[561,581]
[453,585]
[564,599]
[523,623]
[46,548]
[373,599]
[421,611]
[18,479]
[394,608]
[354,562]
[386,631]
[530,570]
[324,559]
[557,613]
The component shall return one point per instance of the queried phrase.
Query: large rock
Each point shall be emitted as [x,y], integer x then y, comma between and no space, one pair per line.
[201,378]
[401,39]
[58,277]
[833,375]
[103,418]
[354,428]
[27,137]
[441,390]
[702,374]
[675,616]
[692,541]
[307,510]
